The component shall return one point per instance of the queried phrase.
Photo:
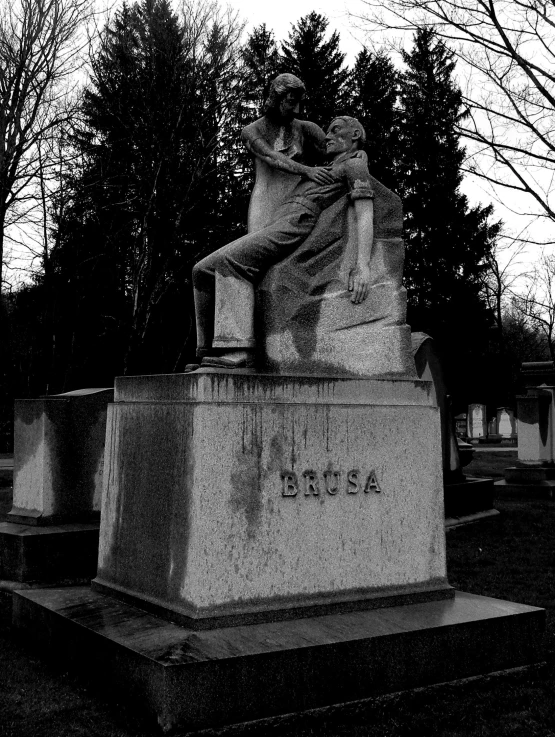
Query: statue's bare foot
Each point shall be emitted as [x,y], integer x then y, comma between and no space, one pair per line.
[191,367]
[231,359]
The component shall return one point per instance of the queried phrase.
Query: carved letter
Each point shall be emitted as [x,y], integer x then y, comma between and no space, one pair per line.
[353,485]
[331,479]
[311,483]
[372,483]
[290,484]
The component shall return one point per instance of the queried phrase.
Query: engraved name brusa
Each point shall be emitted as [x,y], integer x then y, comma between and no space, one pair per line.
[331,482]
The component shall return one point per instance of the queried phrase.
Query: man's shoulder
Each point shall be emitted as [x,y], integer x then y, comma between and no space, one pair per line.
[356,167]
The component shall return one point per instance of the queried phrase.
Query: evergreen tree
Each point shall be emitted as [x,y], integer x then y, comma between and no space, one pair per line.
[261,62]
[446,241]
[320,65]
[374,92]
[153,190]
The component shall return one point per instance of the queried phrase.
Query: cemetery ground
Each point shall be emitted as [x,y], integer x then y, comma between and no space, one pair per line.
[510,556]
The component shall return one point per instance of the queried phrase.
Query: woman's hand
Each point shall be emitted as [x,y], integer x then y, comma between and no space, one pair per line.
[318,174]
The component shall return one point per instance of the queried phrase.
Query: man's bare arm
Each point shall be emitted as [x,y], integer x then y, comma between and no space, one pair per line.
[359,278]
[259,147]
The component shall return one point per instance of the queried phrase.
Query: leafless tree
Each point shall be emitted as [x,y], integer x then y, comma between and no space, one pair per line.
[537,303]
[40,51]
[500,279]
[507,50]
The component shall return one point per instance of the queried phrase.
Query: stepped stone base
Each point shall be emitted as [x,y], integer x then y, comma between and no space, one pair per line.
[470,496]
[189,679]
[53,554]
[536,481]
[540,490]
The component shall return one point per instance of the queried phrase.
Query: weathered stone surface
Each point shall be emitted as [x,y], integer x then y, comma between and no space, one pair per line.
[429,368]
[59,456]
[535,426]
[185,679]
[305,314]
[232,494]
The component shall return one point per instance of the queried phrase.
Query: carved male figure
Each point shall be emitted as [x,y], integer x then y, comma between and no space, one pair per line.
[224,281]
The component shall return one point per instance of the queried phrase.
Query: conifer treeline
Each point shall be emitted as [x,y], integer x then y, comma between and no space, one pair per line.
[158,178]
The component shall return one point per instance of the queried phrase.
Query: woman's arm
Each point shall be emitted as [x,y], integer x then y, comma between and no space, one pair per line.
[258,146]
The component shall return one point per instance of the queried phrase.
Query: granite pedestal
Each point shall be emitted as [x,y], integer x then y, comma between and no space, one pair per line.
[252,497]
[51,532]
[187,679]
[533,476]
[270,545]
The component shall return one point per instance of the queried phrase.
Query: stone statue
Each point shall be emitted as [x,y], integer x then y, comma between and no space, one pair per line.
[284,149]
[224,281]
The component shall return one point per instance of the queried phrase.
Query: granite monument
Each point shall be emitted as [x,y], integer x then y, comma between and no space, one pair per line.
[272,531]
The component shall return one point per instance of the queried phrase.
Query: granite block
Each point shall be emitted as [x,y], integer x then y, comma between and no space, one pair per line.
[468,497]
[249,496]
[58,457]
[188,679]
[50,554]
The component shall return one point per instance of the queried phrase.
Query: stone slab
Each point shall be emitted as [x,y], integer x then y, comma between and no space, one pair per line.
[52,554]
[468,497]
[249,496]
[58,457]
[187,679]
[539,490]
[469,519]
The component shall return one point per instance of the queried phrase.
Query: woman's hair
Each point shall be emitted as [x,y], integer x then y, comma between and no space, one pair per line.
[353,123]
[280,86]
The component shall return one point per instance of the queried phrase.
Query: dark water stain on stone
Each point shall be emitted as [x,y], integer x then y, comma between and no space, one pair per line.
[246,476]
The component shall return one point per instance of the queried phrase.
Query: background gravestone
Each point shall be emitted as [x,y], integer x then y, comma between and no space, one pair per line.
[477,423]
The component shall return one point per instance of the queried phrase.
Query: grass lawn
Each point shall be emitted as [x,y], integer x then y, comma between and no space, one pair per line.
[511,556]
[489,464]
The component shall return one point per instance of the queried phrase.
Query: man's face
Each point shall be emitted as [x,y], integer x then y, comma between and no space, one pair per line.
[290,104]
[339,138]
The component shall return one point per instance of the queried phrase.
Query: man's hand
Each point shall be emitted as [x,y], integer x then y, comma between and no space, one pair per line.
[318,174]
[359,283]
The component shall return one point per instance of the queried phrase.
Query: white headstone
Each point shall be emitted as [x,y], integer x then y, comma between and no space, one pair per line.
[477,427]
[506,422]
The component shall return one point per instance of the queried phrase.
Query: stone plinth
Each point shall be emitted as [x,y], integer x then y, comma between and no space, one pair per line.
[535,427]
[232,497]
[59,456]
[52,554]
[534,474]
[190,680]
[306,318]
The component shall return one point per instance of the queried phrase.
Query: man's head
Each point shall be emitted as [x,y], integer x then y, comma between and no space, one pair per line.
[286,94]
[344,134]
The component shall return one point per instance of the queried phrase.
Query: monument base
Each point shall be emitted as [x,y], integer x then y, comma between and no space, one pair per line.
[54,554]
[467,497]
[191,680]
[531,480]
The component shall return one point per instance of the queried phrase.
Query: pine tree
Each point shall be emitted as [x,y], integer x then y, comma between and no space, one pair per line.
[153,190]
[374,92]
[446,241]
[260,66]
[320,65]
